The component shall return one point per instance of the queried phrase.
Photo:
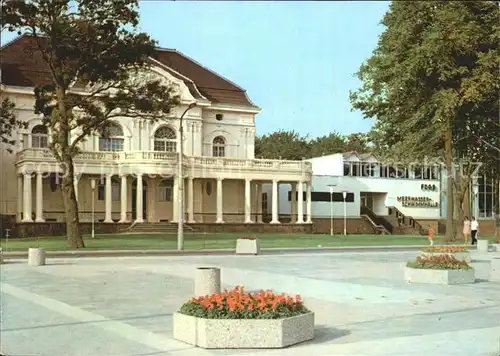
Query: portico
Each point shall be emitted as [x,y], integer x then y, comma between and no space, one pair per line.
[219,194]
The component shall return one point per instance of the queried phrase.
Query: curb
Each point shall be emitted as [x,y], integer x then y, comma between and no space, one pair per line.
[222,252]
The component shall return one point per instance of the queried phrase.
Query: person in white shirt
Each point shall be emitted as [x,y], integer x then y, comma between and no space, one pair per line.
[473,230]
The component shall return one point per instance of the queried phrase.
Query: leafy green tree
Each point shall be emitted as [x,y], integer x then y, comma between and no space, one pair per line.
[282,145]
[358,142]
[327,144]
[8,122]
[97,61]
[434,71]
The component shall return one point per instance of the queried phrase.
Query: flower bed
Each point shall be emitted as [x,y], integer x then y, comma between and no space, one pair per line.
[439,269]
[247,245]
[460,252]
[235,319]
[445,249]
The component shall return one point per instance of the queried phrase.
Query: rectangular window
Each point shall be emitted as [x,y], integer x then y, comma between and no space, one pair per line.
[165,193]
[111,144]
[383,171]
[39,141]
[325,197]
[101,192]
[347,169]
[219,151]
[391,172]
[264,202]
[165,146]
[365,169]
[356,169]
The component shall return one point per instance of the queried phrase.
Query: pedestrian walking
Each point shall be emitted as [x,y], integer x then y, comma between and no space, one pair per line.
[466,230]
[474,227]
[431,236]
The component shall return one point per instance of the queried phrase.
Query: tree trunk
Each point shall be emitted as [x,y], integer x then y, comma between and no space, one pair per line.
[449,235]
[70,205]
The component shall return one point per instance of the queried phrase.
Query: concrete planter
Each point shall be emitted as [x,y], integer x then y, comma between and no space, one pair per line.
[496,247]
[462,256]
[482,245]
[439,276]
[36,256]
[207,281]
[247,247]
[243,333]
[495,269]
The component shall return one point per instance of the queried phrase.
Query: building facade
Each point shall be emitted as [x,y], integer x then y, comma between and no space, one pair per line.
[130,174]
[416,191]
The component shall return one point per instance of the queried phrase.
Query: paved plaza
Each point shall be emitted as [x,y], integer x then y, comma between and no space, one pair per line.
[123,306]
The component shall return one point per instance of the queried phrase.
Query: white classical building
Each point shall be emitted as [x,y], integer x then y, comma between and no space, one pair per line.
[135,166]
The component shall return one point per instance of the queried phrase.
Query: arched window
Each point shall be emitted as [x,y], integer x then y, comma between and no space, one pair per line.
[219,147]
[39,137]
[165,140]
[165,190]
[111,138]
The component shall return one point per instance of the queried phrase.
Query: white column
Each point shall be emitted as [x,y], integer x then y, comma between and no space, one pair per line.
[27,198]
[293,203]
[19,197]
[175,200]
[39,198]
[76,179]
[123,199]
[300,203]
[219,201]
[248,201]
[275,198]
[308,203]
[107,198]
[139,207]
[259,202]
[190,198]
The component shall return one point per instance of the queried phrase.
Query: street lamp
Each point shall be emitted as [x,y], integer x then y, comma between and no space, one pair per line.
[344,194]
[92,186]
[475,191]
[331,186]
[180,185]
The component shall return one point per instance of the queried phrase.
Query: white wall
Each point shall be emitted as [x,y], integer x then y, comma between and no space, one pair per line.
[381,188]
[331,165]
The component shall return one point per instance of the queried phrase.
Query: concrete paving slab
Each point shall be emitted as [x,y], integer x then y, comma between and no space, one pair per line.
[123,305]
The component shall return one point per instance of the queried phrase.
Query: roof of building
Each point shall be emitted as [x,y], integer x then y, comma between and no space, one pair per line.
[22,65]
[361,156]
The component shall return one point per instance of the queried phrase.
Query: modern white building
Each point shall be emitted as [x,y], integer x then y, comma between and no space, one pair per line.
[417,192]
[135,167]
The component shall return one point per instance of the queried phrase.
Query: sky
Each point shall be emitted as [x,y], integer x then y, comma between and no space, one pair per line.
[297,60]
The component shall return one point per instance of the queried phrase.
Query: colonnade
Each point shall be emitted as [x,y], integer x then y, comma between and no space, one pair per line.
[25,199]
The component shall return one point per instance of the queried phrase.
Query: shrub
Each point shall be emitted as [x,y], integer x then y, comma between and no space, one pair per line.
[236,304]
[438,262]
[445,249]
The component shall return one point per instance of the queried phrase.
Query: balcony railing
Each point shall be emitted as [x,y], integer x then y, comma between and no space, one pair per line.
[148,157]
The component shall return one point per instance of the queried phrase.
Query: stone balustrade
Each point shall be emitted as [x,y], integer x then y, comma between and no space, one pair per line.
[34,155]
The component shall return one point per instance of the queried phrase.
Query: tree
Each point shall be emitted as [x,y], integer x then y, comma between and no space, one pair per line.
[97,60]
[8,122]
[327,144]
[358,142]
[282,145]
[433,73]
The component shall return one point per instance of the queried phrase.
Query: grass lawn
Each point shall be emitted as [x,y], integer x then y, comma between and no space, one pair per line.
[213,241]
